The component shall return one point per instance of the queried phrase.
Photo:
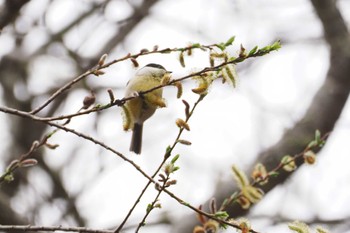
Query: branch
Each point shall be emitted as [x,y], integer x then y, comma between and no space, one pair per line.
[334,26]
[166,156]
[81,135]
[151,180]
[98,71]
[52,228]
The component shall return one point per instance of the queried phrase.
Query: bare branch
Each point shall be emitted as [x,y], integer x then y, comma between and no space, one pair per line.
[52,228]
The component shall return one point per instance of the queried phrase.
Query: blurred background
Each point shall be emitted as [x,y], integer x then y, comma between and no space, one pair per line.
[280,101]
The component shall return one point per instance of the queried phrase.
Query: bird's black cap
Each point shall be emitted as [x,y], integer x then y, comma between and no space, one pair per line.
[155,66]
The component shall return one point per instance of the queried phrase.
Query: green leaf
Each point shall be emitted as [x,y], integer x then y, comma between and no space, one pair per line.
[253,51]
[274,174]
[175,158]
[9,177]
[168,149]
[312,144]
[221,214]
[275,46]
[318,136]
[195,46]
[265,49]
[149,208]
[230,41]
[221,46]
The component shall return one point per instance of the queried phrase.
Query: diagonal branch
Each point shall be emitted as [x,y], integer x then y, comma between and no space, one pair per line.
[28,228]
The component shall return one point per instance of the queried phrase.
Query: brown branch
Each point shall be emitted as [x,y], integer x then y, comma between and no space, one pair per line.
[165,157]
[52,228]
[151,206]
[334,26]
[15,164]
[201,212]
[120,102]
[151,180]
[81,135]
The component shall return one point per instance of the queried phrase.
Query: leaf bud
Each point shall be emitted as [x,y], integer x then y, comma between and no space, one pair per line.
[309,157]
[28,163]
[182,124]
[134,62]
[288,163]
[89,100]
[102,60]
[184,142]
[111,95]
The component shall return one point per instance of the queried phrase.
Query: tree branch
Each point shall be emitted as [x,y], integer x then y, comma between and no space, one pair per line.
[52,228]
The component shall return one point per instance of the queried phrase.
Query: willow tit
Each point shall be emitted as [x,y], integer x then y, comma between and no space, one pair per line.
[143,106]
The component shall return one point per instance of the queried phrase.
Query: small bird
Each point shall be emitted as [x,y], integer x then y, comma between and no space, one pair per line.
[139,109]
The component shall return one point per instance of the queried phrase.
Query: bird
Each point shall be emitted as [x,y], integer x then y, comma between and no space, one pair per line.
[140,108]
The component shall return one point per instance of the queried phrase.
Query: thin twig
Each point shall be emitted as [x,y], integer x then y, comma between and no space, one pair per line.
[166,156]
[87,137]
[52,228]
[17,163]
[275,170]
[120,102]
[93,70]
[201,212]
[151,180]
[152,205]
[142,53]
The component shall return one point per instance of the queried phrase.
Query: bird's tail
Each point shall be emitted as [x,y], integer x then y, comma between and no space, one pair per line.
[136,140]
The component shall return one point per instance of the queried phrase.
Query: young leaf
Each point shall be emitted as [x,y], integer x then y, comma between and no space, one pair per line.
[253,51]
[230,41]
[176,157]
